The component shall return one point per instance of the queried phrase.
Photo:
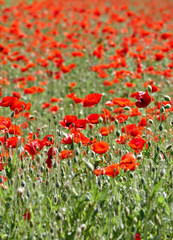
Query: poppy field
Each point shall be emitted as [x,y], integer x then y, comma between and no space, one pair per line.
[86,116]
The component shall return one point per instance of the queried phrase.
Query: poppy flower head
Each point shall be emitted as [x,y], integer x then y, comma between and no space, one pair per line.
[143,98]
[91,99]
[68,121]
[137,143]
[100,147]
[128,162]
[111,170]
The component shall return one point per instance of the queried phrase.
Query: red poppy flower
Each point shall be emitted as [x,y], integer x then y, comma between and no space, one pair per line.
[53,109]
[122,118]
[80,124]
[7,101]
[128,162]
[111,170]
[131,129]
[121,140]
[65,154]
[135,112]
[68,120]
[14,142]
[77,100]
[4,123]
[137,236]
[100,147]
[34,146]
[51,152]
[47,140]
[104,131]
[122,102]
[93,118]
[14,129]
[137,143]
[92,99]
[68,139]
[49,162]
[27,215]
[143,98]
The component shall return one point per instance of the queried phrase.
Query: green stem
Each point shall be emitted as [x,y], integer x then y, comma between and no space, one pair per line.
[146,125]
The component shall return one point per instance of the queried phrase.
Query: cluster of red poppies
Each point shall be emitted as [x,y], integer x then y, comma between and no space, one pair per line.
[44,46]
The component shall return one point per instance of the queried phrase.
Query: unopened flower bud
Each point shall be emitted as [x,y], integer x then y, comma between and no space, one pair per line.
[167,98]
[149,88]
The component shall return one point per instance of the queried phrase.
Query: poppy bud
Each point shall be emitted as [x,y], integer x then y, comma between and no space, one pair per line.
[9,159]
[149,88]
[7,135]
[77,151]
[150,121]
[116,122]
[167,106]
[100,119]
[160,127]
[67,184]
[76,160]
[157,219]
[118,133]
[127,108]
[80,144]
[167,98]
[168,147]
[58,184]
[143,181]
[12,114]
[162,109]
[127,211]
[23,183]
[64,197]
[55,164]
